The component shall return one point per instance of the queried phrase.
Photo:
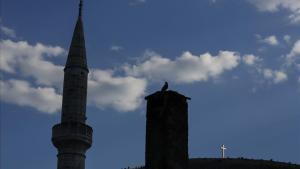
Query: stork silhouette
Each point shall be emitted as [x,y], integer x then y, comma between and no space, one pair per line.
[165,87]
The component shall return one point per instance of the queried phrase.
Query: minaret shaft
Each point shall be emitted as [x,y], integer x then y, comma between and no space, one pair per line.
[74,95]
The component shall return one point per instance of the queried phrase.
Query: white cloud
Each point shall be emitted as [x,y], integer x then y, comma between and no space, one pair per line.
[187,68]
[276,76]
[8,31]
[121,93]
[19,92]
[270,40]
[294,54]
[29,60]
[136,2]
[116,48]
[280,76]
[250,59]
[287,38]
[293,6]
[106,89]
[268,73]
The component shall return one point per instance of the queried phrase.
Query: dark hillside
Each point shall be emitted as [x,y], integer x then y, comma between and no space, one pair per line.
[238,163]
[235,163]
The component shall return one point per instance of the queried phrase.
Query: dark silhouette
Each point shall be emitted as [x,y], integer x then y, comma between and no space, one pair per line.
[238,163]
[235,163]
[165,87]
[166,131]
[167,139]
[72,137]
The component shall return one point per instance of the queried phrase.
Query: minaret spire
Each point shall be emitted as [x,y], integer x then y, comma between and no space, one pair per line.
[80,8]
[77,53]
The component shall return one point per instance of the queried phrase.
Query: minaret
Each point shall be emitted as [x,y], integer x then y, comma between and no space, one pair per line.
[72,137]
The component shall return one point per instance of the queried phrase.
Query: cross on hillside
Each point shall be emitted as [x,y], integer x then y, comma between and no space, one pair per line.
[223,148]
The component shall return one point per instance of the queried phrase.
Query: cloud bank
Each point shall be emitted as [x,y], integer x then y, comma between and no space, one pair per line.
[36,81]
[19,92]
[122,93]
[40,80]
[30,61]
[187,68]
[43,92]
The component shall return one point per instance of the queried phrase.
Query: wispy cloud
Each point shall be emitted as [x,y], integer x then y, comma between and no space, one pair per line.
[269,75]
[137,2]
[294,55]
[251,59]
[287,38]
[276,76]
[6,31]
[293,6]
[116,48]
[270,40]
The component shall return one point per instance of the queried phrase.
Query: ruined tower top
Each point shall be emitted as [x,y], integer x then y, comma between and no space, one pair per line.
[166,130]
[171,93]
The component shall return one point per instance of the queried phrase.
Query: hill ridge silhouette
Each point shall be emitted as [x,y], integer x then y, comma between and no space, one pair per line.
[235,163]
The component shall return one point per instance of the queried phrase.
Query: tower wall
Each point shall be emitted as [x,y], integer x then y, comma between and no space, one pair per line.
[167,131]
[70,161]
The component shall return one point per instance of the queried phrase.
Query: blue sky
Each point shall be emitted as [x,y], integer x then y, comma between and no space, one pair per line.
[237,60]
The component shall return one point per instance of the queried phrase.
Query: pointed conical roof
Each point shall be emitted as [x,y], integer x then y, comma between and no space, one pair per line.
[77,53]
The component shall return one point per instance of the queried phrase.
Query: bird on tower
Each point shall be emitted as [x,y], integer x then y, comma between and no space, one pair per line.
[165,87]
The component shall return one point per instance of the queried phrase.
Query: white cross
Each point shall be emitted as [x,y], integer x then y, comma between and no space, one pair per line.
[223,148]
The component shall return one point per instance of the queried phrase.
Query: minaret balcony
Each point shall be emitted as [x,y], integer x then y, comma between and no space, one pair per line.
[70,132]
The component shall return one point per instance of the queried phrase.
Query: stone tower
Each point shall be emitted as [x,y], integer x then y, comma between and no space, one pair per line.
[167,131]
[72,137]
